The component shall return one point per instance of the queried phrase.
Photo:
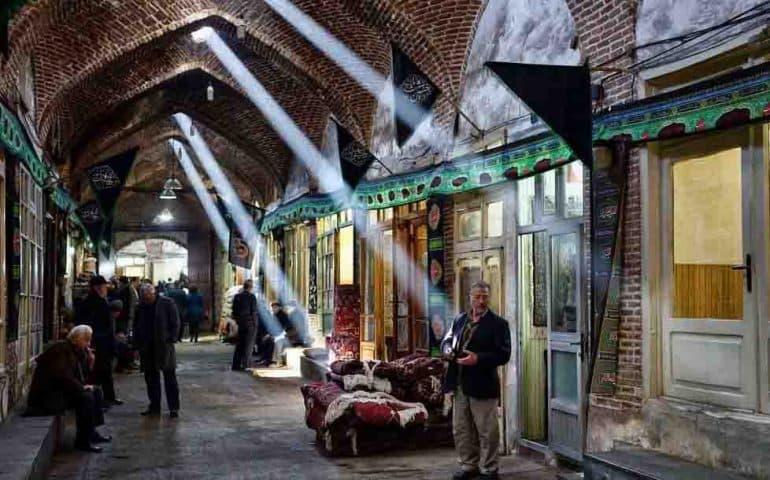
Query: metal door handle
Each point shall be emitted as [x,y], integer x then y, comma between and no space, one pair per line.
[747,268]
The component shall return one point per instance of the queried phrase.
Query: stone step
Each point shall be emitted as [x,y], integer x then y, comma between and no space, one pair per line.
[27,445]
[631,463]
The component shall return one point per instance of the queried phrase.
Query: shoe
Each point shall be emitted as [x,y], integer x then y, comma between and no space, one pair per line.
[87,447]
[99,438]
[490,476]
[173,414]
[150,412]
[465,474]
[116,402]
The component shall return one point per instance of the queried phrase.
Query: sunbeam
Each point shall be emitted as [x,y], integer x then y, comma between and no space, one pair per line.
[220,228]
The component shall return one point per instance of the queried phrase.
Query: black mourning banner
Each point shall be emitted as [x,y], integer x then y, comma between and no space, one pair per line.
[608,186]
[107,178]
[559,95]
[91,216]
[355,159]
[240,252]
[415,95]
[437,299]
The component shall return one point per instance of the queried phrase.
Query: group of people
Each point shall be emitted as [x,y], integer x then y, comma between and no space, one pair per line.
[263,334]
[76,373]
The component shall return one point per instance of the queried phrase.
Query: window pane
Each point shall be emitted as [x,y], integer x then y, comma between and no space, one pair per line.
[564,282]
[526,200]
[573,189]
[346,255]
[708,237]
[469,273]
[470,225]
[565,382]
[549,192]
[495,219]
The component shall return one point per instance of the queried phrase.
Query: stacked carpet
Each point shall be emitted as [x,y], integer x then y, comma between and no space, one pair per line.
[370,406]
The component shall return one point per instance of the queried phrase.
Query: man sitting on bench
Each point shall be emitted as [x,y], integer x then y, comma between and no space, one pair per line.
[59,384]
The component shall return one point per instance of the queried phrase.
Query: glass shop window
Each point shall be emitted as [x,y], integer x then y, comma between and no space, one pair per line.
[572,176]
[470,225]
[549,193]
[346,243]
[495,219]
[526,201]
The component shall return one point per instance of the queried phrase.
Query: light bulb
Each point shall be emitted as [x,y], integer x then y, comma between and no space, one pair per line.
[210,93]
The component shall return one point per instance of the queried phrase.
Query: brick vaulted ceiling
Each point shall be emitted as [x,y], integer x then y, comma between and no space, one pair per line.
[108,73]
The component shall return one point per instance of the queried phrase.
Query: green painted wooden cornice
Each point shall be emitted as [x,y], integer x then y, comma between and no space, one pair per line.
[730,100]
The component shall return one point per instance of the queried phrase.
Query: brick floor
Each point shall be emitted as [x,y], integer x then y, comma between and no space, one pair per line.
[235,426]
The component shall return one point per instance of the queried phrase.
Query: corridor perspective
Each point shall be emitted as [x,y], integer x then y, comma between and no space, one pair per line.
[234,426]
[466,239]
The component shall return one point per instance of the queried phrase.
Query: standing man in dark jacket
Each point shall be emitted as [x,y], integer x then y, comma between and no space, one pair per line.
[155,332]
[59,383]
[244,313]
[477,344]
[95,312]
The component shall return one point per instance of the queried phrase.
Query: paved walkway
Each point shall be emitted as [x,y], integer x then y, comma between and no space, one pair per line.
[236,426]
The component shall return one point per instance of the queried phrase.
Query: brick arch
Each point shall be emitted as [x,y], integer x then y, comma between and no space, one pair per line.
[230,111]
[244,171]
[291,53]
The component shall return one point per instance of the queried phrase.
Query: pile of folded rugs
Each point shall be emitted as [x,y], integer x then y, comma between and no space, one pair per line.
[371,406]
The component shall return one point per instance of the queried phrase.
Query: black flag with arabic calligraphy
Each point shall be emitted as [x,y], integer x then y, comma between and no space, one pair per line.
[415,95]
[108,177]
[91,216]
[355,159]
[560,95]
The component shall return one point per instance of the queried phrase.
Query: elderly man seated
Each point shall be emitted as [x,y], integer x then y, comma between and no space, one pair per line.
[59,384]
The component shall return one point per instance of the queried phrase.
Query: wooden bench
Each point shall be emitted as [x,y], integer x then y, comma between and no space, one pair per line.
[27,445]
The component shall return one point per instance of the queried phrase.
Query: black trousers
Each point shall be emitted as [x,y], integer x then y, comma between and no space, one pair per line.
[246,336]
[194,329]
[103,375]
[152,379]
[265,347]
[180,337]
[88,414]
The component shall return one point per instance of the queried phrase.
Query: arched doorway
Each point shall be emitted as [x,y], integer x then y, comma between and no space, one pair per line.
[153,258]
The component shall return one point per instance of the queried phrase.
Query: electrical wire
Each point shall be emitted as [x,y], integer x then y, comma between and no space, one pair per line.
[734,20]
[718,29]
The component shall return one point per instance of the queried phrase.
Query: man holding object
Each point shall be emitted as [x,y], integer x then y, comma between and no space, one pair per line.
[478,342]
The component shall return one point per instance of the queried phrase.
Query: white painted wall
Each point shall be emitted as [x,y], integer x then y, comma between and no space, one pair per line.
[527,31]
[662,19]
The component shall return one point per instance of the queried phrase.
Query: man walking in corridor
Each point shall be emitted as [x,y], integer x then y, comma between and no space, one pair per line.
[244,313]
[155,332]
[478,343]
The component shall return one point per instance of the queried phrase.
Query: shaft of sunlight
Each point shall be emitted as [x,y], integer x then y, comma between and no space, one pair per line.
[281,122]
[220,228]
[344,57]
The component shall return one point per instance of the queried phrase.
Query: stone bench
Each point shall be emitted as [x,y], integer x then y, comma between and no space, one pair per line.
[27,445]
[314,364]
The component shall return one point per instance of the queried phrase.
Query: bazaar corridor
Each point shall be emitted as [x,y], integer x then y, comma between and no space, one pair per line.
[466,239]
[235,426]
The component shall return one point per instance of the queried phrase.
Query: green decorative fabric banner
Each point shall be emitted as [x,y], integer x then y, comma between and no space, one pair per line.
[466,173]
[733,99]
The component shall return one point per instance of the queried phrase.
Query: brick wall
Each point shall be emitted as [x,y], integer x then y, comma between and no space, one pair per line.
[606,30]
